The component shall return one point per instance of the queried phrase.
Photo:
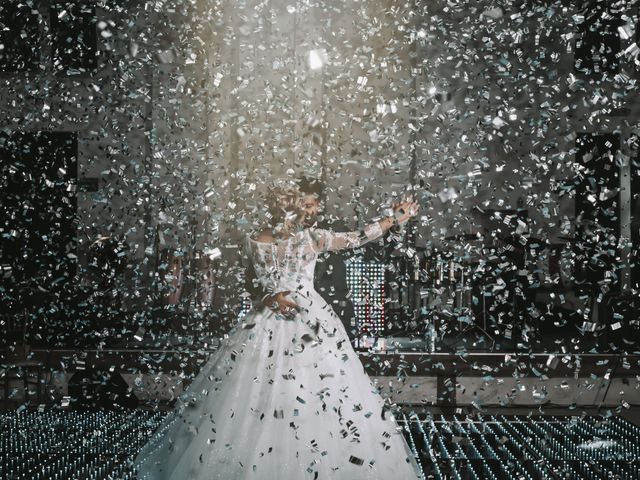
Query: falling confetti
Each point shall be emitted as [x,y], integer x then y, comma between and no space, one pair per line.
[142,143]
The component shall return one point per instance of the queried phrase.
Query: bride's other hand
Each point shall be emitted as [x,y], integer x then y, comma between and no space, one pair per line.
[405,210]
[278,303]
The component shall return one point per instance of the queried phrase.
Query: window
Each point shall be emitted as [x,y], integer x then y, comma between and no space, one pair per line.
[19,36]
[38,212]
[73,24]
[598,41]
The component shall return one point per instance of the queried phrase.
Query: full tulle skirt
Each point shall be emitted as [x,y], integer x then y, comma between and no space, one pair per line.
[281,399]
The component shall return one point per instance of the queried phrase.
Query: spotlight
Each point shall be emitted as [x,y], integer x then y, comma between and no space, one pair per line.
[317,59]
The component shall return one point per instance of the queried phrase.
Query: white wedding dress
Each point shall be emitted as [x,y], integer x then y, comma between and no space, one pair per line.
[284,399]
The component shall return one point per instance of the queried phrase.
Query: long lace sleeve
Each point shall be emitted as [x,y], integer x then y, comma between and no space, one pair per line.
[327,240]
[252,283]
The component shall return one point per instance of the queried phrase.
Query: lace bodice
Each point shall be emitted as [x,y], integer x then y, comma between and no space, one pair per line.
[286,264]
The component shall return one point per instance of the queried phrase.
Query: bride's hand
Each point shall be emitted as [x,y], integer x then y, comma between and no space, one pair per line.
[279,304]
[406,210]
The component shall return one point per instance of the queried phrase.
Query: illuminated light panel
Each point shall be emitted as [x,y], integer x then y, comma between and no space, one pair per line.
[316,59]
[365,281]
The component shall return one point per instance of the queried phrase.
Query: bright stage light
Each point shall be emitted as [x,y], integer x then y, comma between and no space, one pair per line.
[316,59]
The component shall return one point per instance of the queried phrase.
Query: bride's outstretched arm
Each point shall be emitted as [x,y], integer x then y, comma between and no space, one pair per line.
[326,240]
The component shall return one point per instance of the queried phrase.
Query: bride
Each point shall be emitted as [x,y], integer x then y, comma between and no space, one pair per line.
[285,396]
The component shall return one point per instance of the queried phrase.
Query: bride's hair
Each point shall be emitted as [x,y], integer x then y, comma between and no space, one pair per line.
[286,207]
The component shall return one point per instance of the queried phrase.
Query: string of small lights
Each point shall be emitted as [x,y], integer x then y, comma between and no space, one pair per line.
[365,281]
[506,447]
[62,445]
[97,445]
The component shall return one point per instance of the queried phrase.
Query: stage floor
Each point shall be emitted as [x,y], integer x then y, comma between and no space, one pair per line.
[62,444]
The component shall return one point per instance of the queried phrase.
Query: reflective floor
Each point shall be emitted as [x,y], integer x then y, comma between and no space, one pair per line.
[59,445]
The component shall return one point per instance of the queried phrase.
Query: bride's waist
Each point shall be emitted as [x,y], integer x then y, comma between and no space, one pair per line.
[297,287]
[300,286]
[294,278]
